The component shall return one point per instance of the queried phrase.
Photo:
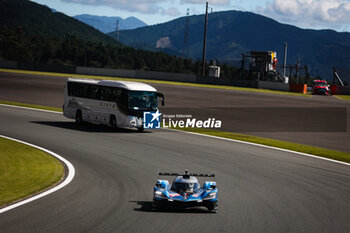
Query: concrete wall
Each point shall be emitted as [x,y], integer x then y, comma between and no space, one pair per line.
[139,74]
[177,77]
[344,90]
[227,82]
[8,64]
[105,72]
[339,90]
[274,86]
[46,67]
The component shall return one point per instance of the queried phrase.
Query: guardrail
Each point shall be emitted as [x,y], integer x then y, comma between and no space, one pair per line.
[166,76]
[299,88]
[340,90]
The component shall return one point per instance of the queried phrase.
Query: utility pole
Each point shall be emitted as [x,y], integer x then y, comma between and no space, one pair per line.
[185,46]
[205,39]
[117,30]
[297,67]
[243,65]
[285,59]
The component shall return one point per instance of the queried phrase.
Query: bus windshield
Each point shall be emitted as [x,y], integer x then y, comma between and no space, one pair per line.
[142,100]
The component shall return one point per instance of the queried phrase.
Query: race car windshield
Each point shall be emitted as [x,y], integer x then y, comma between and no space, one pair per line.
[185,187]
[321,84]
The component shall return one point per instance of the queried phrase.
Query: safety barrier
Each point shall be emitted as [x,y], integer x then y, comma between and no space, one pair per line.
[105,72]
[278,86]
[190,78]
[300,88]
[176,77]
[340,90]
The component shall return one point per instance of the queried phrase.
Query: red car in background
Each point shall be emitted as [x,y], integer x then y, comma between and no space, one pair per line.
[320,87]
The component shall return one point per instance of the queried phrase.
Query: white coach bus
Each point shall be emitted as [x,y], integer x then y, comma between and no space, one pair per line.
[114,103]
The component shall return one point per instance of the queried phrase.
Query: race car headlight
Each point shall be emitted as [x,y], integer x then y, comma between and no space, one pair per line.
[211,195]
[158,193]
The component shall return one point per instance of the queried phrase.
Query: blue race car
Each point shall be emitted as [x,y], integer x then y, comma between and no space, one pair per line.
[185,192]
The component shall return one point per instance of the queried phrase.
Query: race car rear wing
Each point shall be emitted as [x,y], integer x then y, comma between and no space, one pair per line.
[186,174]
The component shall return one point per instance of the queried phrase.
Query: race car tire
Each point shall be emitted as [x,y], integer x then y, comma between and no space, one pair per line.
[158,206]
[155,206]
[213,207]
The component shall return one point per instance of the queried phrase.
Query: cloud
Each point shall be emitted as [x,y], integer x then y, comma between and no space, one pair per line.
[341,13]
[171,12]
[142,6]
[309,13]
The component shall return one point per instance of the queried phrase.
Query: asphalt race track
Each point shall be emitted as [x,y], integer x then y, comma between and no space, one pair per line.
[312,121]
[261,190]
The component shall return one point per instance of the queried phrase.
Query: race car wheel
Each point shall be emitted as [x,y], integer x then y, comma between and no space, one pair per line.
[213,207]
[156,206]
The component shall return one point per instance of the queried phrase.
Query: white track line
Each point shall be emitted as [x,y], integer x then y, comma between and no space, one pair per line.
[264,146]
[228,139]
[69,178]
[28,108]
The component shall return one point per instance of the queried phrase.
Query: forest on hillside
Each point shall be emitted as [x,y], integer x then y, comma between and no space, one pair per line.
[71,51]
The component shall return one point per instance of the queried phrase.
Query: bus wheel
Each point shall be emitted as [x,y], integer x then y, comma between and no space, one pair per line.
[78,117]
[113,122]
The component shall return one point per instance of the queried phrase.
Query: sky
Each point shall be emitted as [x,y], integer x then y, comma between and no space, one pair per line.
[315,14]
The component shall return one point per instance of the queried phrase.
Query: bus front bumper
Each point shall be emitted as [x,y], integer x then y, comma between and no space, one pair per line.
[135,121]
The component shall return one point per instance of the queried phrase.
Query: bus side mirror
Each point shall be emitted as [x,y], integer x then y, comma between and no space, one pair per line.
[161,96]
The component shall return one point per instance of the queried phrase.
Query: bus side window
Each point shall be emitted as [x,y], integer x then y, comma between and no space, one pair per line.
[69,88]
[80,90]
[77,90]
[93,92]
[105,93]
[115,95]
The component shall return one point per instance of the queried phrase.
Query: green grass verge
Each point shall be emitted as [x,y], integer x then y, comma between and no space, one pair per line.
[326,153]
[25,170]
[343,97]
[30,105]
[246,89]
